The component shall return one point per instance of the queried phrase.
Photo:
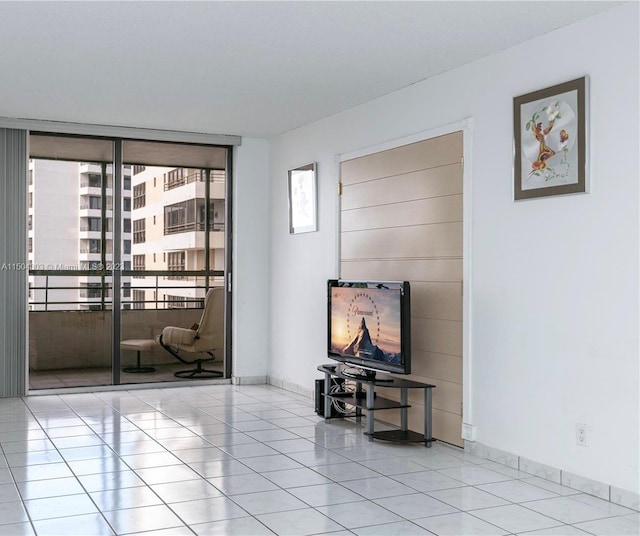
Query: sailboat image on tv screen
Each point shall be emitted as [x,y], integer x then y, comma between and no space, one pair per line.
[361,346]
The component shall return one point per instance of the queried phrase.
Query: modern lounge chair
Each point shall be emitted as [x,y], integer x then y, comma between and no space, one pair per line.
[199,340]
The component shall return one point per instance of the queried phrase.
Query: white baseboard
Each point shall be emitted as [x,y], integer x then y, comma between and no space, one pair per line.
[589,486]
[249,380]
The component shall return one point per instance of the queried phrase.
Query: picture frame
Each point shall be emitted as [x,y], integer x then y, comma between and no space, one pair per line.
[303,203]
[550,141]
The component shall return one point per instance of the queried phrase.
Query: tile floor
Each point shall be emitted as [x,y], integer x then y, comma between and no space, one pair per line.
[256,460]
[94,377]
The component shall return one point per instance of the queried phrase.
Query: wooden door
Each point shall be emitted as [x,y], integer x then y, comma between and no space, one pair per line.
[401,219]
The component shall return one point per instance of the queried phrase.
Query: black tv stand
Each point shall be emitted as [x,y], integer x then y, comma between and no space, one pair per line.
[368,401]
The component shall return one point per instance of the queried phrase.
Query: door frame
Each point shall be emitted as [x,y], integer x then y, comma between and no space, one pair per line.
[466,127]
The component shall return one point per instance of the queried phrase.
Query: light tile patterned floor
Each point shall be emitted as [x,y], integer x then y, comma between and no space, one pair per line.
[253,460]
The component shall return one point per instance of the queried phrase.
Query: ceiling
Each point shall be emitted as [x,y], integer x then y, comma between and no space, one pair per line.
[243,68]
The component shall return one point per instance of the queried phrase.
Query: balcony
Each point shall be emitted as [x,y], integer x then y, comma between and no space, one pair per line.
[217,177]
[189,238]
[72,348]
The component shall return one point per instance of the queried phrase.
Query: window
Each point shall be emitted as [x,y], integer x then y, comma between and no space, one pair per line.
[176,263]
[126,225]
[30,222]
[138,264]
[30,199]
[30,245]
[178,217]
[176,302]
[126,204]
[138,299]
[91,180]
[90,224]
[175,178]
[126,182]
[30,177]
[190,216]
[126,290]
[90,246]
[94,246]
[126,247]
[139,231]
[92,290]
[138,169]
[139,195]
[92,202]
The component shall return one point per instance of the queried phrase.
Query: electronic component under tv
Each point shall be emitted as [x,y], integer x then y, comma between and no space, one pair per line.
[369,325]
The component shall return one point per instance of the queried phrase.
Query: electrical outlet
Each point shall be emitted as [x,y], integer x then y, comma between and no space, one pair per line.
[581,434]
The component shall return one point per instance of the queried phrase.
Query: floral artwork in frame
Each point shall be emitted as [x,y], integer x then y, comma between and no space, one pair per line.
[550,136]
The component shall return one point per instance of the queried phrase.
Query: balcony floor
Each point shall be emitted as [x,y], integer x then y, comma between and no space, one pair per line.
[90,377]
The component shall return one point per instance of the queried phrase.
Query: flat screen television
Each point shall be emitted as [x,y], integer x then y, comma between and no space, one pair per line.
[369,325]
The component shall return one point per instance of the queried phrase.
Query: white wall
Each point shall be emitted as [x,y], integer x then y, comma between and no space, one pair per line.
[555,294]
[250,261]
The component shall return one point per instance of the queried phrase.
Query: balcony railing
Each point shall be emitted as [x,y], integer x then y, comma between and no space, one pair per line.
[198,176]
[199,278]
[193,226]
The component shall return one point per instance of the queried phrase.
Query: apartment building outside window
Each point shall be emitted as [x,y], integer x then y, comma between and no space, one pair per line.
[94,202]
[92,224]
[139,230]
[174,178]
[190,216]
[139,195]
[176,263]
[91,180]
[90,246]
[176,302]
[92,290]
[138,299]
[139,264]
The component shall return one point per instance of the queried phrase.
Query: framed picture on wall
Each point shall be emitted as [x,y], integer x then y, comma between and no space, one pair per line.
[303,204]
[550,141]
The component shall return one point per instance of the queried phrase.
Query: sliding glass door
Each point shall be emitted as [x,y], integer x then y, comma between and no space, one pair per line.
[125,238]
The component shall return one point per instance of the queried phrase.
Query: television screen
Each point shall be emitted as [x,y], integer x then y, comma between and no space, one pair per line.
[369,324]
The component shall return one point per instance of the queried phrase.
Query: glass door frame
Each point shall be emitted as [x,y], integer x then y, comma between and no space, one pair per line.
[117,241]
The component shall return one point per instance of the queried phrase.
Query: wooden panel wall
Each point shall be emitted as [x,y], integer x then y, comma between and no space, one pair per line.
[401,219]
